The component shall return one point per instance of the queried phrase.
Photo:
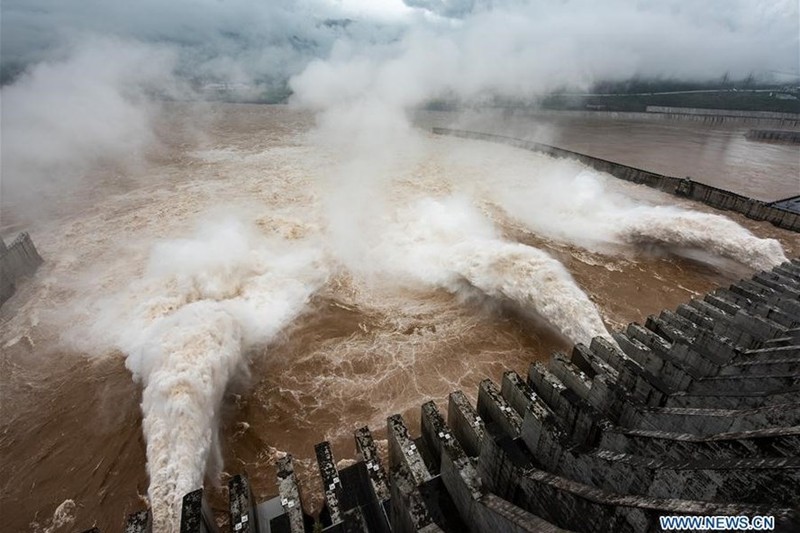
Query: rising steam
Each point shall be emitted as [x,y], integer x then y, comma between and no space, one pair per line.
[91,107]
[203,304]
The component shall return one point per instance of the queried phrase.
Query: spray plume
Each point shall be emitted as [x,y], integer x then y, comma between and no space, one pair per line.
[678,229]
[581,207]
[449,244]
[91,107]
[204,303]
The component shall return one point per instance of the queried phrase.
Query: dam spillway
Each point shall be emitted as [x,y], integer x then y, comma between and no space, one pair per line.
[643,284]
[256,262]
[696,413]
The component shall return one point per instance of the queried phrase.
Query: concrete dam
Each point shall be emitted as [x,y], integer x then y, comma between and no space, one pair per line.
[693,413]
[696,413]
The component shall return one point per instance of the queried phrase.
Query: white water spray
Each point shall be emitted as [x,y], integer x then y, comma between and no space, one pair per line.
[203,303]
[445,243]
[581,207]
[676,228]
[533,280]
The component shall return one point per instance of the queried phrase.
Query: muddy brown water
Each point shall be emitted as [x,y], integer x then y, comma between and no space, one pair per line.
[71,449]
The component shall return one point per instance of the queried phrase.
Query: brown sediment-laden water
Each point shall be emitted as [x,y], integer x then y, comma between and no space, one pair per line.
[251,280]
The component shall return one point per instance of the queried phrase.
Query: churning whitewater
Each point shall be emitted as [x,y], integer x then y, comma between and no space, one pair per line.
[203,303]
[448,243]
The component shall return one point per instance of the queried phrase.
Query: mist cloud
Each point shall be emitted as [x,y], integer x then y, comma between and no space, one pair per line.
[523,49]
[519,50]
[237,40]
[62,117]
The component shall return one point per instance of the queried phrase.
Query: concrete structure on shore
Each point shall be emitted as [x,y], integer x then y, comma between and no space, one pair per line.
[697,413]
[17,260]
[709,117]
[775,136]
[721,116]
[789,204]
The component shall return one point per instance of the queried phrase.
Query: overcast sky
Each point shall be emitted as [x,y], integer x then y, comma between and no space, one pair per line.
[247,40]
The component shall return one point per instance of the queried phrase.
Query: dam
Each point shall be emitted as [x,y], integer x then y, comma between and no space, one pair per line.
[696,413]
[693,413]
[339,265]
[355,356]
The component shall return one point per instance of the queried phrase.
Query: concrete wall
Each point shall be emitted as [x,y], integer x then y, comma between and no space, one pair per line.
[18,259]
[778,136]
[726,116]
[684,187]
[736,118]
[721,112]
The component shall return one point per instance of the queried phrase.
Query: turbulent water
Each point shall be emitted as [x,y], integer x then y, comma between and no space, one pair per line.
[447,243]
[204,301]
[262,305]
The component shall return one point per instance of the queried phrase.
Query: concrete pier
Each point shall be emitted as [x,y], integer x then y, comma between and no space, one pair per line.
[196,515]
